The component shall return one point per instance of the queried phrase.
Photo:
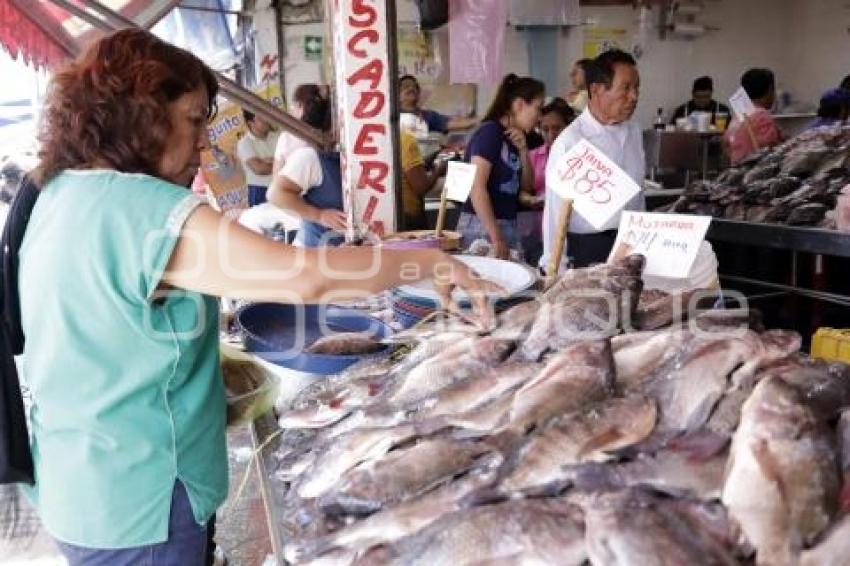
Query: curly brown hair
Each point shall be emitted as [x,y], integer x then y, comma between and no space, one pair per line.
[111,104]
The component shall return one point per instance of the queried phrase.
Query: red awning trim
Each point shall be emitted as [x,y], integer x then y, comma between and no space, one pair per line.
[20,37]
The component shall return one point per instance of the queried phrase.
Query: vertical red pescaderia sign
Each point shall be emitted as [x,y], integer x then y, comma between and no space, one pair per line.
[363,104]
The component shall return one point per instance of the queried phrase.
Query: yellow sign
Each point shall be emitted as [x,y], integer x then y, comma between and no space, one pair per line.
[599,39]
[222,170]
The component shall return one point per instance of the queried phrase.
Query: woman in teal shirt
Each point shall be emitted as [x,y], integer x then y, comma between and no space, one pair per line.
[128,414]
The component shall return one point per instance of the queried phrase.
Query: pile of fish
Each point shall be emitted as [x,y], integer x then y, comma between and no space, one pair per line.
[566,436]
[795,183]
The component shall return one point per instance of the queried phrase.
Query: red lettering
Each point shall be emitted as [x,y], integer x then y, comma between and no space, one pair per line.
[369,34]
[361,9]
[373,97]
[371,71]
[365,144]
[373,174]
[370,209]
[378,227]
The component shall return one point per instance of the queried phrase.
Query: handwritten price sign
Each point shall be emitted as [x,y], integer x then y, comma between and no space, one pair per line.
[598,187]
[670,242]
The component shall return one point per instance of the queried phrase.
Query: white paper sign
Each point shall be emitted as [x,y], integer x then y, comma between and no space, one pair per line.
[741,104]
[670,242]
[459,179]
[598,187]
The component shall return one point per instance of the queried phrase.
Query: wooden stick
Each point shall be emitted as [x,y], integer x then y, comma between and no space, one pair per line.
[560,241]
[441,216]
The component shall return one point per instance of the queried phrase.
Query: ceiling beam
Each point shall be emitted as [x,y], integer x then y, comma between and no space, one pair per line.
[159,15]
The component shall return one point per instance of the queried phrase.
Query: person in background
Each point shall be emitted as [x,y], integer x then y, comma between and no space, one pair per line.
[614,88]
[833,109]
[416,181]
[256,152]
[128,438]
[577,97]
[701,101]
[409,93]
[308,105]
[309,185]
[758,130]
[845,83]
[498,150]
[554,117]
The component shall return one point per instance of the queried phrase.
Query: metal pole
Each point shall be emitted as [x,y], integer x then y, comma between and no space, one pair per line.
[392,60]
[162,13]
[233,91]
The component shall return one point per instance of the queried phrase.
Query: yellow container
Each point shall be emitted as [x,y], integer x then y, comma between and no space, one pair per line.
[832,345]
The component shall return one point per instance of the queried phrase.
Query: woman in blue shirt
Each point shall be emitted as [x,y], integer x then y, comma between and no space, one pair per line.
[121,353]
[499,152]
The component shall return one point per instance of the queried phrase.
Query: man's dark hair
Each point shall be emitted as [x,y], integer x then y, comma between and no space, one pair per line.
[403,78]
[834,104]
[249,116]
[845,83]
[559,106]
[758,82]
[601,71]
[703,83]
[584,64]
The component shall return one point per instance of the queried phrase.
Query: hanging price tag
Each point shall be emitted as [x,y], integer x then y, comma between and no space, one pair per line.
[741,104]
[598,187]
[669,242]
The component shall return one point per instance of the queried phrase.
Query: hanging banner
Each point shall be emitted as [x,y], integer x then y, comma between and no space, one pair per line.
[598,40]
[477,40]
[363,103]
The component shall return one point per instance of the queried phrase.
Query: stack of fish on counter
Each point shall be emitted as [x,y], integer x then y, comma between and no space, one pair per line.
[564,436]
[795,183]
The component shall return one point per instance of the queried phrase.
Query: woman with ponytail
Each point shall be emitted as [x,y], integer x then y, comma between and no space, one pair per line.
[499,152]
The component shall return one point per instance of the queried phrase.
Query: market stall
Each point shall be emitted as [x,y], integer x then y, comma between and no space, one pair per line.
[603,417]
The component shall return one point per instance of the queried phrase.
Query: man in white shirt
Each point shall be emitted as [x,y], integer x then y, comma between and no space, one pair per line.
[256,152]
[613,85]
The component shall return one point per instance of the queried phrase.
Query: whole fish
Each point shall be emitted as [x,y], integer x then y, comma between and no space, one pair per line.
[825,387]
[477,390]
[455,363]
[637,527]
[580,374]
[691,466]
[347,451]
[592,309]
[689,384]
[782,482]
[401,520]
[400,475]
[346,344]
[585,435]
[534,531]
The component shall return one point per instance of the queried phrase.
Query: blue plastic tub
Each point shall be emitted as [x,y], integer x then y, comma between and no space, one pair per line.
[279,333]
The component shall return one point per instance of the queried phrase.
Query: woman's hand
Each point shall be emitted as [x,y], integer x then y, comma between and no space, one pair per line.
[333,219]
[517,137]
[450,273]
[501,249]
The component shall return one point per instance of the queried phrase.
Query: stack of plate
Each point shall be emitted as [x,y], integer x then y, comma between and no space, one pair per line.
[412,303]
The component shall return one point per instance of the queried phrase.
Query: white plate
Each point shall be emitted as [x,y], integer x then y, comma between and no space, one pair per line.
[514,277]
